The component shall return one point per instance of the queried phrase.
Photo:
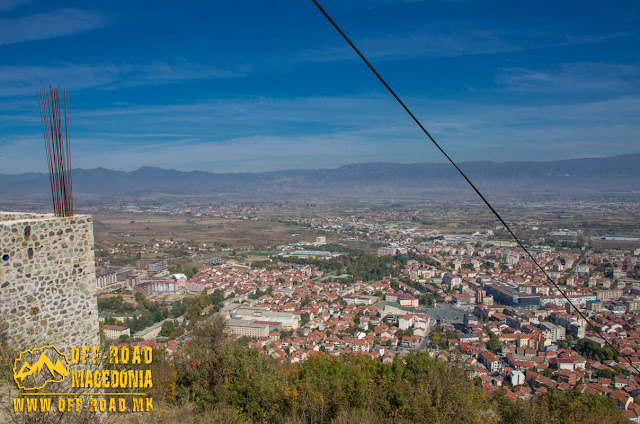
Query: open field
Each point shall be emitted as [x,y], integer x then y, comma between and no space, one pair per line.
[126,296]
[259,235]
[168,298]
[113,228]
[615,244]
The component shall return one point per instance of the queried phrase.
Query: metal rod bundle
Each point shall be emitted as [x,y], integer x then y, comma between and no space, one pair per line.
[56,141]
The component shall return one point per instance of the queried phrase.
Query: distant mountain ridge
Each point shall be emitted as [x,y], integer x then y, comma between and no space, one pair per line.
[592,176]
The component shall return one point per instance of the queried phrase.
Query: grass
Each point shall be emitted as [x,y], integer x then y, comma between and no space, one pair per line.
[112,228]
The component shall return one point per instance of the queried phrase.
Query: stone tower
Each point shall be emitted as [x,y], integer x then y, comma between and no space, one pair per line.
[47,280]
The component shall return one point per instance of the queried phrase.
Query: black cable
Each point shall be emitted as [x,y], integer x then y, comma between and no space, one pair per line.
[486,202]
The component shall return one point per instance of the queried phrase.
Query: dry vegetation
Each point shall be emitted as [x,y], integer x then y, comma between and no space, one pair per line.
[112,228]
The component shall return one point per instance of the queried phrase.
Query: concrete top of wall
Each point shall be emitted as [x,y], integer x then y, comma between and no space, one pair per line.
[8,217]
[20,216]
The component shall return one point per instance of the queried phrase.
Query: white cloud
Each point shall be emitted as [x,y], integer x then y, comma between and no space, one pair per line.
[158,73]
[11,4]
[42,26]
[26,80]
[413,45]
[438,41]
[245,154]
[241,135]
[575,77]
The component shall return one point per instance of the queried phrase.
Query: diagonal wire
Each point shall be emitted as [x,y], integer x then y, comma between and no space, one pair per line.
[486,202]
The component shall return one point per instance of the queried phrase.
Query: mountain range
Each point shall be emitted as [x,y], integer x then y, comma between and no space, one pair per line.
[576,178]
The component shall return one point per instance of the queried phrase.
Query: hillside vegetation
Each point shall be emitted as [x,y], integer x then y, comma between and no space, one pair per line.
[213,380]
[217,381]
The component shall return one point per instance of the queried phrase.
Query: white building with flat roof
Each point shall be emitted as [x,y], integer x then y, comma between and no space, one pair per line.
[248,328]
[288,320]
[115,331]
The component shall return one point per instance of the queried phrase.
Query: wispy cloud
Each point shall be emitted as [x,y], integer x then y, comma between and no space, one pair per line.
[11,4]
[163,73]
[241,135]
[25,80]
[42,26]
[242,154]
[437,41]
[147,135]
[413,45]
[583,77]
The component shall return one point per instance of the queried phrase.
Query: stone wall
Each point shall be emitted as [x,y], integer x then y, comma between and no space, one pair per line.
[47,280]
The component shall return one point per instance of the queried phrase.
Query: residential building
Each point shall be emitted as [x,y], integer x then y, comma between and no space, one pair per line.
[152,265]
[115,331]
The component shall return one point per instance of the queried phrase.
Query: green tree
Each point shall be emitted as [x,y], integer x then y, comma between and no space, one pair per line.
[592,350]
[494,343]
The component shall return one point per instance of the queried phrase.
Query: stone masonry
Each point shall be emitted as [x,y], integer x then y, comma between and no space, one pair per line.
[47,280]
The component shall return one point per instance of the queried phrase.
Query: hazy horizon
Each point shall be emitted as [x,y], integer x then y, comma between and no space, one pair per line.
[321,168]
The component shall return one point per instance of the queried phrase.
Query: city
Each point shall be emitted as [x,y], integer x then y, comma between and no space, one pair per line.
[319,212]
[470,299]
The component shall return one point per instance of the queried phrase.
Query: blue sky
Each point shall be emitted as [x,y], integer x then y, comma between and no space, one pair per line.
[247,86]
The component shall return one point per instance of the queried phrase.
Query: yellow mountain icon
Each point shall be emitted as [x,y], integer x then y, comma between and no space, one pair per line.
[58,370]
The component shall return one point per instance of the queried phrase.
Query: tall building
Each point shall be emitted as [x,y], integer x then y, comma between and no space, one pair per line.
[152,265]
